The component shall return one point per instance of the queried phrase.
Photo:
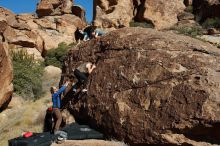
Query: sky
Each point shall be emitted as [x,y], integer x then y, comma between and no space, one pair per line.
[29,6]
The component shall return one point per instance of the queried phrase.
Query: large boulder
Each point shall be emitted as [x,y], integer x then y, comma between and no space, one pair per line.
[162,14]
[80,12]
[109,13]
[206,8]
[6,13]
[54,7]
[6,86]
[150,85]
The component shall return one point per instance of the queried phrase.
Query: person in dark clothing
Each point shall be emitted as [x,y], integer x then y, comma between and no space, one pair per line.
[89,30]
[56,99]
[81,73]
[78,36]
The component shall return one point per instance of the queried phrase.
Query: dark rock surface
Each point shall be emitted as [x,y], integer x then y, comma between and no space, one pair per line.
[206,9]
[149,83]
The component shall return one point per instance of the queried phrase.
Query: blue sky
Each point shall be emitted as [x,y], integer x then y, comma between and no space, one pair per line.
[29,6]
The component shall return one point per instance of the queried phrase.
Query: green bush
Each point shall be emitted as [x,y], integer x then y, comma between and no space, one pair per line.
[190,31]
[140,24]
[27,75]
[211,22]
[56,56]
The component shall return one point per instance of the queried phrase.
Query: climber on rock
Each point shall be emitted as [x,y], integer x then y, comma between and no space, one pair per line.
[81,73]
[56,99]
[85,35]
[96,33]
[81,35]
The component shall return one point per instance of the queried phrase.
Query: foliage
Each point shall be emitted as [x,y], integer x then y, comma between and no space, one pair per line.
[190,31]
[140,24]
[56,56]
[27,75]
[211,22]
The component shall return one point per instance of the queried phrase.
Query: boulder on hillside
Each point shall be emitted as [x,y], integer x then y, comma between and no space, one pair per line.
[25,16]
[6,13]
[23,41]
[3,24]
[54,7]
[109,14]
[52,72]
[162,14]
[206,9]
[6,86]
[148,84]
[80,12]
[51,77]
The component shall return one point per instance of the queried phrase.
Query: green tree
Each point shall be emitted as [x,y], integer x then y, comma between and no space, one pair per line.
[56,56]
[27,75]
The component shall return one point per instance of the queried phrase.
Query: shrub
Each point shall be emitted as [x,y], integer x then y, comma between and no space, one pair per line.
[211,22]
[190,31]
[56,56]
[27,75]
[140,24]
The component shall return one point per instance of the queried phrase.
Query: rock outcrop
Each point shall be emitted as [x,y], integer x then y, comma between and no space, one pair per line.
[37,35]
[109,14]
[150,85]
[54,7]
[206,9]
[162,14]
[6,86]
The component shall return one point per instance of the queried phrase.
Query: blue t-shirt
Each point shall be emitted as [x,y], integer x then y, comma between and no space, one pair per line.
[56,97]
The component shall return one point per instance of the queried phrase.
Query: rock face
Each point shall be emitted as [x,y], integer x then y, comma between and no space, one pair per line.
[206,9]
[80,12]
[148,84]
[109,14]
[54,7]
[162,14]
[6,86]
[37,35]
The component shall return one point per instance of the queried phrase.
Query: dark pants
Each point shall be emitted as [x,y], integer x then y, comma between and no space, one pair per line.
[58,121]
[81,77]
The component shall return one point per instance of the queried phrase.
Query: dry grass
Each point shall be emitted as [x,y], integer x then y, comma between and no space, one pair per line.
[29,117]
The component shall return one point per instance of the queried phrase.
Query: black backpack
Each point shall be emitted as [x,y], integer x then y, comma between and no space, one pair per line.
[49,120]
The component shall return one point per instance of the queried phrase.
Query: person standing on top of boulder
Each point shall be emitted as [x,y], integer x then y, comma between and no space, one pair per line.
[81,73]
[56,99]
